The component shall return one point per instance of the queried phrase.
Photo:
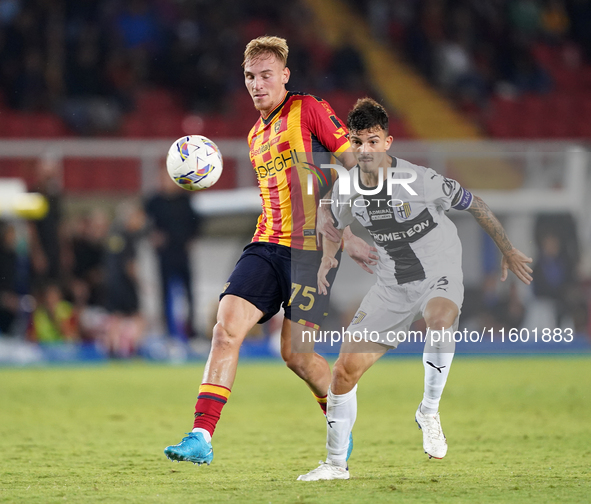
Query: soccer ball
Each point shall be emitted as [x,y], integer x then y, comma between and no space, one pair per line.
[194,162]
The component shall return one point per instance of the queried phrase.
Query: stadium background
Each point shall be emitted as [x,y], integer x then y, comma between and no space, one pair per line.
[494,94]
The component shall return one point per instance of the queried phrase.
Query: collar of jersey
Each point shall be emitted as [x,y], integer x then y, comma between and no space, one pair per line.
[362,185]
[275,111]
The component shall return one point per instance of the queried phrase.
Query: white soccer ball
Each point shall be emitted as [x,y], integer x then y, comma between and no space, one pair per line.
[194,162]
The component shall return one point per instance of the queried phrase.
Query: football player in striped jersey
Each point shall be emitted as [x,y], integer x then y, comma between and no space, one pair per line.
[278,268]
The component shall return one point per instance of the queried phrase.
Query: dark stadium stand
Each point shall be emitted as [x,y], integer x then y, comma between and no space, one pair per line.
[153,69]
[521,69]
[563,112]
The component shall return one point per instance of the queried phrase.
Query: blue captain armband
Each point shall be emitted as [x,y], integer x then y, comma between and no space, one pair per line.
[462,200]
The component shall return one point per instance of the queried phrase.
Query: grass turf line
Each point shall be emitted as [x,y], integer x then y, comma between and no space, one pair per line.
[518,431]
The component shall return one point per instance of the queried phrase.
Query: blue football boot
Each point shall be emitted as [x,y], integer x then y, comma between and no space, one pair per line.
[193,448]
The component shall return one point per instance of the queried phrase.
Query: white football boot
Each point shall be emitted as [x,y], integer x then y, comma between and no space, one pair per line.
[434,442]
[326,471]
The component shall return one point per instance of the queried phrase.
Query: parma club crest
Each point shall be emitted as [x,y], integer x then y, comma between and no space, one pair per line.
[404,211]
[359,316]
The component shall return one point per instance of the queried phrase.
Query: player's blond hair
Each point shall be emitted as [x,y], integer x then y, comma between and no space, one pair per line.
[275,46]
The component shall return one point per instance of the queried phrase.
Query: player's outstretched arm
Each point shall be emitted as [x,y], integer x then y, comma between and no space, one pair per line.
[513,259]
[360,251]
[329,251]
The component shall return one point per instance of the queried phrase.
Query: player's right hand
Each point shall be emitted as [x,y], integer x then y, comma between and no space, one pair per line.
[325,266]
[517,262]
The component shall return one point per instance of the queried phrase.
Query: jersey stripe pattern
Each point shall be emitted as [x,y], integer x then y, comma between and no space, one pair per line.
[286,150]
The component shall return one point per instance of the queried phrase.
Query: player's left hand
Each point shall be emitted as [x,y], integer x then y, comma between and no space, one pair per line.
[325,225]
[325,266]
[517,262]
[361,252]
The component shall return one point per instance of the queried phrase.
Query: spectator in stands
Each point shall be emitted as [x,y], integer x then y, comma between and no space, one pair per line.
[174,227]
[555,270]
[87,243]
[30,86]
[89,59]
[126,324]
[54,318]
[88,251]
[527,75]
[580,17]
[136,26]
[554,21]
[89,106]
[46,233]
[9,299]
[525,17]
[509,312]
[348,69]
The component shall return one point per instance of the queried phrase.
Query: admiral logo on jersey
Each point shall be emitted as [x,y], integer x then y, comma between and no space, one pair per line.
[381,214]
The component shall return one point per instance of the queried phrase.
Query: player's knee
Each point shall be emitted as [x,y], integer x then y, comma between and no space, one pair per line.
[226,334]
[299,363]
[440,314]
[438,321]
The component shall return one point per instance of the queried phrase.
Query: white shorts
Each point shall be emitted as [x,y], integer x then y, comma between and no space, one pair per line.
[388,311]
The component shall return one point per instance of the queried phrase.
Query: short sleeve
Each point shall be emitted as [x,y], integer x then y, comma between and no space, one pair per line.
[445,192]
[341,208]
[325,125]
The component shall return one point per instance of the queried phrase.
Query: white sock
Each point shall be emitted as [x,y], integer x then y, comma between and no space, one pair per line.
[206,434]
[341,413]
[437,359]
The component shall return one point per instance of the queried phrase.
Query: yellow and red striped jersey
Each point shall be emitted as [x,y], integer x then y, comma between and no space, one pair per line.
[281,147]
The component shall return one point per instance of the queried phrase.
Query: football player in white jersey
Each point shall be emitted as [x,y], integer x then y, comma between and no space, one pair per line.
[418,275]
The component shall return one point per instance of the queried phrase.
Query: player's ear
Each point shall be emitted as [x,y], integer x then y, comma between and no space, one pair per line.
[285,75]
[388,141]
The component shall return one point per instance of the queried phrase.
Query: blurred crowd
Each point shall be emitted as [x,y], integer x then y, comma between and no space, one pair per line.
[76,278]
[87,59]
[472,49]
[559,297]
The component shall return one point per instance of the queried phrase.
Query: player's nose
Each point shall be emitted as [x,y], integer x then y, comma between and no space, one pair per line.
[257,83]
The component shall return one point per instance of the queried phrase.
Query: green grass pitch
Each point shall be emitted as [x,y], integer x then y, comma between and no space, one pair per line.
[519,430]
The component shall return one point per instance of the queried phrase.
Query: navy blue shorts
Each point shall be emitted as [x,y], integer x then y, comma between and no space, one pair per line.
[272,276]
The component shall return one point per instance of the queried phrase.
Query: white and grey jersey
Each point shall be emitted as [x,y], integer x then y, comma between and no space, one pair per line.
[414,237]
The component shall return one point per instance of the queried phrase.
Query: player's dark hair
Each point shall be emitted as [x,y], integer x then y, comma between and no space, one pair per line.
[367,114]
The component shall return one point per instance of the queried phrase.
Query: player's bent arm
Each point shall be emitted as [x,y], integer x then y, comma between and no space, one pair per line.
[324,220]
[513,259]
[329,251]
[325,225]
